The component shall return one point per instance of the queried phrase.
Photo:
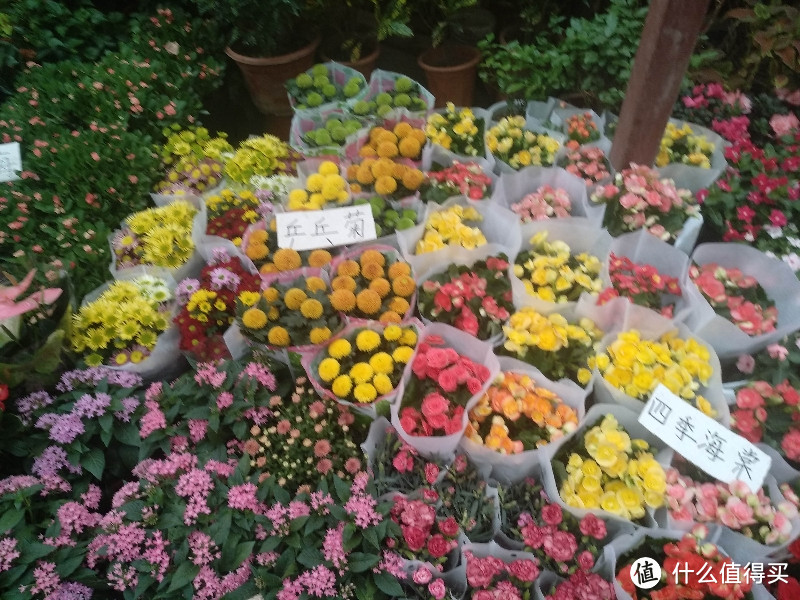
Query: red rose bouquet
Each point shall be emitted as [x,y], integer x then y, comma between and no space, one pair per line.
[475,299]
[208,305]
[642,284]
[490,577]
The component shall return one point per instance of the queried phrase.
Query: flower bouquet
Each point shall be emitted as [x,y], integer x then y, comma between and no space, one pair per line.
[741,299]
[446,376]
[543,203]
[424,536]
[692,496]
[580,584]
[690,155]
[517,147]
[466,497]
[373,283]
[770,414]
[324,86]
[590,163]
[775,363]
[293,311]
[300,440]
[404,140]
[363,364]
[322,187]
[158,237]
[494,572]
[195,161]
[208,305]
[324,133]
[191,177]
[453,231]
[594,469]
[396,465]
[557,347]
[393,95]
[648,272]
[474,298]
[260,245]
[639,198]
[385,177]
[230,213]
[691,567]
[460,131]
[120,324]
[551,270]
[560,541]
[459,179]
[426,583]
[261,156]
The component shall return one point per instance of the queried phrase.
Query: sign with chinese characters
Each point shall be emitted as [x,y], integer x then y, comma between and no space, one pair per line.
[312,229]
[10,161]
[700,439]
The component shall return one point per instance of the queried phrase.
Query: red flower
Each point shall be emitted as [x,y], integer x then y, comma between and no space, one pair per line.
[449,527]
[788,590]
[3,395]
[414,537]
[438,546]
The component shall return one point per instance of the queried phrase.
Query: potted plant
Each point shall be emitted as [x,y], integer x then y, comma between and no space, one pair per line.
[270,41]
[450,67]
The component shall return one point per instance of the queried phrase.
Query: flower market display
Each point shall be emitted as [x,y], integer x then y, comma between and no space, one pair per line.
[191,408]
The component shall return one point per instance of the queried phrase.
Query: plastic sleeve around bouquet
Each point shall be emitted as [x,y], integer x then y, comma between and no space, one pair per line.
[305,121]
[511,188]
[547,580]
[339,75]
[193,265]
[466,345]
[651,326]
[454,578]
[381,81]
[532,470]
[645,249]
[500,227]
[311,361]
[508,466]
[689,233]
[776,278]
[466,258]
[434,156]
[579,234]
[165,359]
[496,550]
[392,254]
[629,421]
[501,167]
[696,178]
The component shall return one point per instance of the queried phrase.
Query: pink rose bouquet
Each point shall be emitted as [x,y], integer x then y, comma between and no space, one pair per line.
[589,163]
[545,203]
[639,198]
[436,395]
[642,284]
[584,585]
[736,297]
[490,577]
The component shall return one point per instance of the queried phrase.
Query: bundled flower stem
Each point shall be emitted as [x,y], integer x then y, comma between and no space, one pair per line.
[463,492]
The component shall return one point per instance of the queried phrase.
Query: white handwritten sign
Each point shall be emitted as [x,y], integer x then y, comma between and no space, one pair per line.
[10,161]
[706,443]
[311,229]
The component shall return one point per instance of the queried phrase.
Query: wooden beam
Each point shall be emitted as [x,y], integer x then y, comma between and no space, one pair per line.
[668,39]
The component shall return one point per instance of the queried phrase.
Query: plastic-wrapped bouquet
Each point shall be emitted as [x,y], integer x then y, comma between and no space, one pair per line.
[325,186]
[230,213]
[466,497]
[682,145]
[642,284]
[450,226]
[457,130]
[545,203]
[459,179]
[589,163]
[519,147]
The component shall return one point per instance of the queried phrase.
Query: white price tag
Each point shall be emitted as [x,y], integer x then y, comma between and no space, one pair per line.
[311,229]
[701,440]
[10,161]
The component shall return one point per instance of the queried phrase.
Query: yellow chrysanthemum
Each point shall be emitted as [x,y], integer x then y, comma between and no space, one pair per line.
[249,298]
[368,301]
[382,384]
[365,392]
[294,297]
[341,386]
[287,259]
[404,286]
[372,256]
[381,362]
[390,316]
[339,348]
[381,286]
[254,318]
[343,282]
[398,305]
[371,271]
[403,354]
[256,251]
[343,300]
[348,267]
[361,372]
[319,258]
[271,294]
[392,333]
[278,336]
[367,340]
[319,335]
[328,369]
[385,185]
[311,308]
[315,284]
[409,337]
[399,269]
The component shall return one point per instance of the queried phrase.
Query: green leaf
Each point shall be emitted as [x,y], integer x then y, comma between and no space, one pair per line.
[310,556]
[185,573]
[358,562]
[68,566]
[365,590]
[243,550]
[9,519]
[95,462]
[388,584]
[342,489]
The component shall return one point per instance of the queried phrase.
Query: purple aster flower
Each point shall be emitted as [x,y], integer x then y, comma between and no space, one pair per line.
[185,289]
[219,255]
[223,278]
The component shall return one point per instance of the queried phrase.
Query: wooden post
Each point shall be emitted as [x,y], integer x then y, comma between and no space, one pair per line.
[668,39]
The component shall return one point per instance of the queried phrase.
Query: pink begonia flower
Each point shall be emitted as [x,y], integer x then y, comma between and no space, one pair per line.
[10,307]
[784,124]
[746,363]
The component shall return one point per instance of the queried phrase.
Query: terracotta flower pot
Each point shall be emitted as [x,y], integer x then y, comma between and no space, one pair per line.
[364,65]
[451,72]
[265,76]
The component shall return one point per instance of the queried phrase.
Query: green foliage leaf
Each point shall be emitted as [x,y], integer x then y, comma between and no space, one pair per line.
[183,576]
[95,462]
[358,562]
[388,584]
[9,519]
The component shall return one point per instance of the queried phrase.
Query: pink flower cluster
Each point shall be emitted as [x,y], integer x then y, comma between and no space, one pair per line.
[445,374]
[467,179]
[736,296]
[545,203]
[492,579]
[555,542]
[583,585]
[436,587]
[732,505]
[639,198]
[424,536]
[759,403]
[588,162]
[641,283]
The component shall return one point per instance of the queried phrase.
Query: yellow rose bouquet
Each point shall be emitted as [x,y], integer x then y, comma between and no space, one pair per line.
[459,131]
[555,346]
[518,147]
[683,145]
[293,311]
[260,245]
[364,363]
[456,225]
[120,325]
[604,467]
[635,366]
[374,283]
[551,271]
